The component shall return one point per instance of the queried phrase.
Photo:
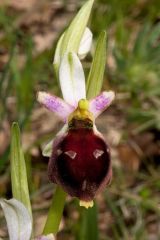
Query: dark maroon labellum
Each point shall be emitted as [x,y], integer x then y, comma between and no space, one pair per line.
[80,162]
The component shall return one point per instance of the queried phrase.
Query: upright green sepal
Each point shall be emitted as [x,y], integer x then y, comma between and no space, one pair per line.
[57,56]
[18,169]
[95,78]
[74,33]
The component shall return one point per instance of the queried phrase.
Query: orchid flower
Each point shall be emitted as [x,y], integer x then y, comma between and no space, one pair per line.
[79,156]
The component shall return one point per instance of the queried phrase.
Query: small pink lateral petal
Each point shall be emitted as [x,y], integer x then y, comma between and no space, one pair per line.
[98,104]
[55,104]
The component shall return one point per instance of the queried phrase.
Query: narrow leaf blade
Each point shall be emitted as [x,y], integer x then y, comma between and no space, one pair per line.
[18,170]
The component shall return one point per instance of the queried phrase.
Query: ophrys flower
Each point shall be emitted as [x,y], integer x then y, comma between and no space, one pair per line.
[80,159]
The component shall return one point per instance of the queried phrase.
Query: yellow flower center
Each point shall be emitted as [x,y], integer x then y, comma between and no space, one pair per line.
[83,104]
[82,111]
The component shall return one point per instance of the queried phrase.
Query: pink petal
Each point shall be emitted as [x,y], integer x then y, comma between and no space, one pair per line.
[55,104]
[98,104]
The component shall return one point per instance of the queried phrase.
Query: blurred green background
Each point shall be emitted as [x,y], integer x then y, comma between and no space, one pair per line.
[129,209]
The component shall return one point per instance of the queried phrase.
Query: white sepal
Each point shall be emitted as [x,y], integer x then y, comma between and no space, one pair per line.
[47,150]
[85,44]
[72,79]
[18,219]
[98,104]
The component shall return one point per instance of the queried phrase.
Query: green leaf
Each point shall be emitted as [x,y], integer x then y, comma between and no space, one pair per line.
[74,33]
[18,219]
[18,169]
[95,78]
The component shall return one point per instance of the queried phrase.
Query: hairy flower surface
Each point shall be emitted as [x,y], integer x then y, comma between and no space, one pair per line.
[79,156]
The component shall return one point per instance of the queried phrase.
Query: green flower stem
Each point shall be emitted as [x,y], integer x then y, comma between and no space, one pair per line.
[55,212]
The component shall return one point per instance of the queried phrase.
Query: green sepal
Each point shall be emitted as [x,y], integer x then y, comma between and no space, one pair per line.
[57,56]
[74,33]
[95,78]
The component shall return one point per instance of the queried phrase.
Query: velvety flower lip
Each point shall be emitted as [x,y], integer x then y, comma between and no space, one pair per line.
[79,156]
[81,163]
